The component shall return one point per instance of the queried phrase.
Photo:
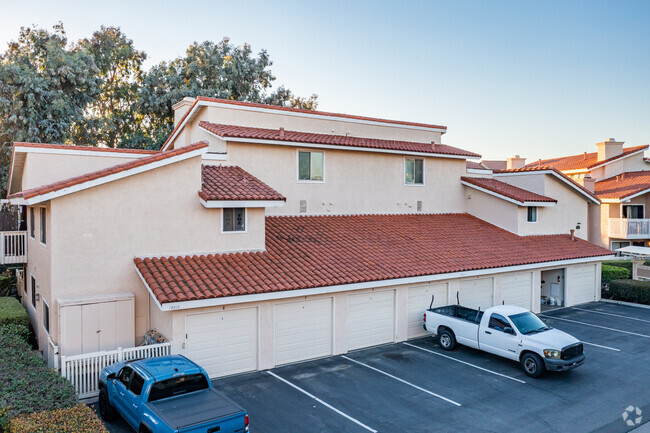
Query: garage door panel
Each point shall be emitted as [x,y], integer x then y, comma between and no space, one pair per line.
[517,290]
[223,342]
[371,319]
[476,293]
[583,284]
[419,299]
[303,330]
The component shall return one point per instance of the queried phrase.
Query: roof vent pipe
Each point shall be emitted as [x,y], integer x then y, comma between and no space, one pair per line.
[573,238]
[281,133]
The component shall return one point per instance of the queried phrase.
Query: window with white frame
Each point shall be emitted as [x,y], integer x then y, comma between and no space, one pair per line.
[531,214]
[33,283]
[310,165]
[633,211]
[46,316]
[413,171]
[32,222]
[234,219]
[43,225]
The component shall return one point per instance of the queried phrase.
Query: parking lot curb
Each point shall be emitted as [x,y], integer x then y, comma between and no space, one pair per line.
[629,304]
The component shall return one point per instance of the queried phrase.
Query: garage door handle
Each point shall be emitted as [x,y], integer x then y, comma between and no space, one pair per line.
[488,332]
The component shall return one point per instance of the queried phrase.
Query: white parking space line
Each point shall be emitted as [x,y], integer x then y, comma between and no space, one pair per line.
[602,347]
[402,380]
[595,326]
[611,314]
[466,363]
[356,421]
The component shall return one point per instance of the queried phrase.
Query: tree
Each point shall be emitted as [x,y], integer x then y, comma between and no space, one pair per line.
[44,90]
[111,117]
[219,70]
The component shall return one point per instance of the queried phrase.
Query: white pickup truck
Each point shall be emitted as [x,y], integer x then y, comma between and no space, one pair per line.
[509,331]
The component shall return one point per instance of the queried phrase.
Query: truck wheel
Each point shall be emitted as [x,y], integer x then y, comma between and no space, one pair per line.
[447,339]
[532,365]
[105,409]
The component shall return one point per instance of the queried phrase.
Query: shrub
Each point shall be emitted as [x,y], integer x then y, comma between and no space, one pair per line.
[77,419]
[610,273]
[630,291]
[26,384]
[11,312]
[627,264]
[7,283]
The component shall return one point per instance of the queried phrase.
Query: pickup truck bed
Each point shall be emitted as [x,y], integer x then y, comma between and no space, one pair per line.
[199,407]
[460,312]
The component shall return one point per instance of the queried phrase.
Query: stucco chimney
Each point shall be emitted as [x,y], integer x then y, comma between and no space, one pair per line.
[515,162]
[181,107]
[609,149]
[588,182]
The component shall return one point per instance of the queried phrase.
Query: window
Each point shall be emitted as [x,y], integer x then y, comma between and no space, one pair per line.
[124,376]
[531,214]
[136,384]
[46,316]
[43,234]
[234,219]
[633,211]
[177,386]
[414,171]
[498,322]
[31,223]
[33,292]
[310,166]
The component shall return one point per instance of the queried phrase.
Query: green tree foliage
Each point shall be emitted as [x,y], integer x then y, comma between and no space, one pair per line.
[111,117]
[220,70]
[44,89]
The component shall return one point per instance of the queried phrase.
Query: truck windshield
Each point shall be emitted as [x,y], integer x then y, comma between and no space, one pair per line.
[529,323]
[177,386]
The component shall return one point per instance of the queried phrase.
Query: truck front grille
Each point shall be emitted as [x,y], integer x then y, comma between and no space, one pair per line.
[572,351]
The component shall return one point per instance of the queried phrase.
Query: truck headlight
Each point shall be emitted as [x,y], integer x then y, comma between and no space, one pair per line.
[551,353]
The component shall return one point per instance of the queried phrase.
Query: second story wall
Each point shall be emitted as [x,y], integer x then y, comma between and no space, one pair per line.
[354,182]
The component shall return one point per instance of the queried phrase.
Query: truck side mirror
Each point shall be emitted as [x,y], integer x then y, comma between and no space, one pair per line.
[509,330]
[110,376]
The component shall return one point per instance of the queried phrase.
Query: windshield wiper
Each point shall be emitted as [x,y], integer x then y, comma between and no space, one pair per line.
[542,329]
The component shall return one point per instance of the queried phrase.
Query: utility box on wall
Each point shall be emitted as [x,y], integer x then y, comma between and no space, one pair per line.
[95,323]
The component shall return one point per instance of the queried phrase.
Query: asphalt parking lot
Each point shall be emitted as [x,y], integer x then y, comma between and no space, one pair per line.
[417,387]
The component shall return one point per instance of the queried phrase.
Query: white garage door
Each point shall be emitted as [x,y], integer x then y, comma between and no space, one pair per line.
[583,284]
[517,289]
[476,293]
[419,299]
[371,319]
[223,342]
[303,330]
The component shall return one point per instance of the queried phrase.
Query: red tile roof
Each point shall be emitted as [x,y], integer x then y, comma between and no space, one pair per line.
[232,131]
[475,166]
[554,170]
[583,161]
[84,148]
[233,183]
[495,164]
[623,185]
[316,251]
[518,194]
[67,183]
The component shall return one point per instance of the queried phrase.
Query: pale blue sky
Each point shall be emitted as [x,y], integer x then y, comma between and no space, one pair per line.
[540,79]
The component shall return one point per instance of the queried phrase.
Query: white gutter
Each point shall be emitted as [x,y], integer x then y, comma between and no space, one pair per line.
[508,199]
[285,294]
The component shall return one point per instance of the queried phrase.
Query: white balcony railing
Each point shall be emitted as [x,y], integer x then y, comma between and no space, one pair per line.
[627,228]
[13,247]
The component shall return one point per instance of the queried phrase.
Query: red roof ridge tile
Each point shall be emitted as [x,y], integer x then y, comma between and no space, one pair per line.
[83,148]
[77,180]
[269,134]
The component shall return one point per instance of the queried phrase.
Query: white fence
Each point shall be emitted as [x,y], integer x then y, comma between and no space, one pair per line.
[14,247]
[83,370]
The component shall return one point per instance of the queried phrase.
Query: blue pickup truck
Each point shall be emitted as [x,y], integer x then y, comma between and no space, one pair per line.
[167,394]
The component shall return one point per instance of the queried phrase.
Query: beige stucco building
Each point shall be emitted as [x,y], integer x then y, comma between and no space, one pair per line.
[265,235]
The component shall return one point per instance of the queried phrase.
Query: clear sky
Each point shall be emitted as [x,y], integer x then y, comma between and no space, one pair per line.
[540,79]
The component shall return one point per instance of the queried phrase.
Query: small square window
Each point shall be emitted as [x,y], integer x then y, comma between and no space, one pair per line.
[43,226]
[531,214]
[46,316]
[234,219]
[32,222]
[310,166]
[414,171]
